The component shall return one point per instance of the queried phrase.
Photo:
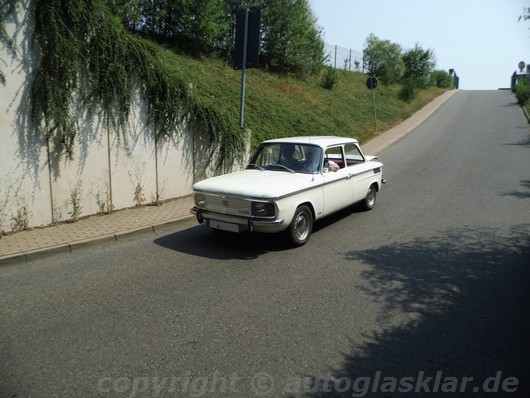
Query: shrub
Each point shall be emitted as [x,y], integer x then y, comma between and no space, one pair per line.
[522,91]
[409,91]
[441,78]
[330,78]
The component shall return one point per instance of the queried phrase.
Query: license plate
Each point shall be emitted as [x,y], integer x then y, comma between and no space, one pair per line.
[224,226]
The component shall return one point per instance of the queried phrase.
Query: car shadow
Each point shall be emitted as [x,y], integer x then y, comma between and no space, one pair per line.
[202,241]
[466,292]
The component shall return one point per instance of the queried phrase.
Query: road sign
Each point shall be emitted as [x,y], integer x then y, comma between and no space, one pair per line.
[372,82]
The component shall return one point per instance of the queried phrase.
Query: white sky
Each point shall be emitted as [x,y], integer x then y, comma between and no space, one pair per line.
[482,40]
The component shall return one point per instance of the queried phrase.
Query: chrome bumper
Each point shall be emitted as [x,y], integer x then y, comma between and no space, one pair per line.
[248,223]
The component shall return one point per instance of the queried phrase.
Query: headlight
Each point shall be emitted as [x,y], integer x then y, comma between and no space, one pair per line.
[200,200]
[263,209]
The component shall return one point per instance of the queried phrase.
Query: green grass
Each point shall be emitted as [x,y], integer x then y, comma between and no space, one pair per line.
[281,106]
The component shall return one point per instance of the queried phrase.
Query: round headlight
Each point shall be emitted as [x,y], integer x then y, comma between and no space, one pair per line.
[200,200]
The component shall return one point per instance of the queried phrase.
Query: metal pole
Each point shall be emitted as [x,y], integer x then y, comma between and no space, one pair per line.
[373,105]
[244,72]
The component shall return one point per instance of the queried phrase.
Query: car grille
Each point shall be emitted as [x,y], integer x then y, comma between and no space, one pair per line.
[228,205]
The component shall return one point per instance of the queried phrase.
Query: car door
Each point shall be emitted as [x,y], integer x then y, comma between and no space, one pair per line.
[338,187]
[360,171]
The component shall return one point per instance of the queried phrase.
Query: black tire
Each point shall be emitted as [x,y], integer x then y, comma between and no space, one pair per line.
[301,226]
[368,203]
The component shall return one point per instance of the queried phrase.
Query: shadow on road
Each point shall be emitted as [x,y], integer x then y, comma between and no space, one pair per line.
[204,242]
[468,293]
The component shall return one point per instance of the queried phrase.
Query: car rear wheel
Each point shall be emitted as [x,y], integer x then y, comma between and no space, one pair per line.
[301,226]
[368,202]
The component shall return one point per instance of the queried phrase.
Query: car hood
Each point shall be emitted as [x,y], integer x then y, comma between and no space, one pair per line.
[256,183]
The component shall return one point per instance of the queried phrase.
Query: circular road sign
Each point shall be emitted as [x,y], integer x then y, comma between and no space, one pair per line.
[371,83]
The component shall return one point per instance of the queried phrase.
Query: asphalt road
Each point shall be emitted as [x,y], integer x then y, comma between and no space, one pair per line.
[425,295]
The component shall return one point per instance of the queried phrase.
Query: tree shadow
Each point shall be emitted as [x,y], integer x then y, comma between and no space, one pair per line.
[520,194]
[460,306]
[524,142]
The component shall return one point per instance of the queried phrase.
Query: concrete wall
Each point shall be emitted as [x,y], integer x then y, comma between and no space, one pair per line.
[107,173]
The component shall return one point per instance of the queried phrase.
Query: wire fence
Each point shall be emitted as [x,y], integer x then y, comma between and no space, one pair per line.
[343,58]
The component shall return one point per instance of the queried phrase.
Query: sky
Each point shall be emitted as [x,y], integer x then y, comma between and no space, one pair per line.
[483,41]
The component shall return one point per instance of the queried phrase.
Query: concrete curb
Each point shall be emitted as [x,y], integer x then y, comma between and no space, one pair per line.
[68,248]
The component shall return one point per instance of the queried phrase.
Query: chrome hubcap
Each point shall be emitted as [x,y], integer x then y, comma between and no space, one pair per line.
[301,226]
[370,198]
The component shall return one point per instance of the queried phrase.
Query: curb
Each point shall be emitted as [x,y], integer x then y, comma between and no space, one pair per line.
[68,248]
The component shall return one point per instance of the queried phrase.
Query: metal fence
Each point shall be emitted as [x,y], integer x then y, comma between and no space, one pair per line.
[343,58]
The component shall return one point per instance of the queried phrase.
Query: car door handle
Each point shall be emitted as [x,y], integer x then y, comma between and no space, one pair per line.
[350,175]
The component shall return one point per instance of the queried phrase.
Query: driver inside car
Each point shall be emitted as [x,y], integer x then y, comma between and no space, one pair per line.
[288,159]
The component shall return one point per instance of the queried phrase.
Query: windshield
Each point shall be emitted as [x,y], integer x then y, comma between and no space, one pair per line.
[299,158]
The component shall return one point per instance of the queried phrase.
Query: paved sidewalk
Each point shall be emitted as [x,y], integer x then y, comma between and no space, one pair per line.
[32,244]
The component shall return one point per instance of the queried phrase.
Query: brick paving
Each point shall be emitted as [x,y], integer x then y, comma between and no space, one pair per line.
[23,246]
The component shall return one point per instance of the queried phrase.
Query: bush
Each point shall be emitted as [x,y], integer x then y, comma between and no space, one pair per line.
[522,91]
[442,79]
[409,91]
[330,78]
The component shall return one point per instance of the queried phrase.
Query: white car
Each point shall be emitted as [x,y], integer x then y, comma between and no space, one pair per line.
[288,184]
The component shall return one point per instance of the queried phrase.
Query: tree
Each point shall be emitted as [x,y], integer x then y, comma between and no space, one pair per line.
[290,38]
[194,26]
[441,78]
[419,65]
[383,59]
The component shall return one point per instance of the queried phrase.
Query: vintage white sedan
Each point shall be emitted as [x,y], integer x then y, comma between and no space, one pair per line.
[288,184]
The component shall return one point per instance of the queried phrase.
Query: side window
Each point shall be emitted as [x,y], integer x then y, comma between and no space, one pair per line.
[335,155]
[353,154]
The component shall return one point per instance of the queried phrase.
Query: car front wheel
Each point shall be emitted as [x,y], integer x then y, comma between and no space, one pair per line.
[301,226]
[369,201]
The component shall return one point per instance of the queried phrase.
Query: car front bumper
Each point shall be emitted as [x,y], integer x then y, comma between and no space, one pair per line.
[236,223]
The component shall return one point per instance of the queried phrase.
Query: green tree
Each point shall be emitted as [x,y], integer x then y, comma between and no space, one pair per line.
[383,59]
[194,26]
[419,65]
[441,78]
[290,38]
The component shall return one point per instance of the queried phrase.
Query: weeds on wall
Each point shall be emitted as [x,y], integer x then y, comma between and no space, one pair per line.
[20,221]
[75,202]
[86,53]
[139,194]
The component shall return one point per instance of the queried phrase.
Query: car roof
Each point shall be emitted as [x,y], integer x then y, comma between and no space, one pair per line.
[323,141]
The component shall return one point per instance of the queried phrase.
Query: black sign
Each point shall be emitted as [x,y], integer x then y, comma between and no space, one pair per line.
[253,37]
[371,83]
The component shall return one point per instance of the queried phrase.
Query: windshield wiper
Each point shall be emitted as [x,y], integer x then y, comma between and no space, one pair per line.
[254,166]
[284,167]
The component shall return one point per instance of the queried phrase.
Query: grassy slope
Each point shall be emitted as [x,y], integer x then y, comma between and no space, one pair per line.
[277,106]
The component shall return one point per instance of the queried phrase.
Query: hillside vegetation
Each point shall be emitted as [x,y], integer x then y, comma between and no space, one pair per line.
[102,58]
[279,106]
